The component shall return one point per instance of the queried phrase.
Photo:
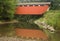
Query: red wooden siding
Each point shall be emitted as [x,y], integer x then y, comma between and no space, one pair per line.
[31,10]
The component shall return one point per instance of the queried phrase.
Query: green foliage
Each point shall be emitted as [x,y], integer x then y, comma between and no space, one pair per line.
[52,18]
[27,18]
[26,21]
[55,4]
[7,9]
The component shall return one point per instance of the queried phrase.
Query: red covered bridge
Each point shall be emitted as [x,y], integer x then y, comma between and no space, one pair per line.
[36,8]
[32,9]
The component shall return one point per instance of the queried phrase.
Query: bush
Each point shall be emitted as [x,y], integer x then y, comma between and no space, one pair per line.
[55,4]
[7,9]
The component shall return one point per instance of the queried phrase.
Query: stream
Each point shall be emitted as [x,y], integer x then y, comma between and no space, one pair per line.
[9,30]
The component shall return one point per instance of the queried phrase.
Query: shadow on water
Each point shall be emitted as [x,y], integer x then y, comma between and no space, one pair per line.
[6,30]
[55,36]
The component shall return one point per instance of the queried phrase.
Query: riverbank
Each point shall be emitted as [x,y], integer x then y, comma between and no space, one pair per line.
[7,22]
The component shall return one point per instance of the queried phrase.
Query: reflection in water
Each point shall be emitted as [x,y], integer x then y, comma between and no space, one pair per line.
[8,30]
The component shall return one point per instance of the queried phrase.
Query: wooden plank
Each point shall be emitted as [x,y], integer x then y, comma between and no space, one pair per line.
[34,3]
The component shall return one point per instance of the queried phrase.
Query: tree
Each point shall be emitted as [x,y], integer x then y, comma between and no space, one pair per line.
[7,9]
[55,4]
